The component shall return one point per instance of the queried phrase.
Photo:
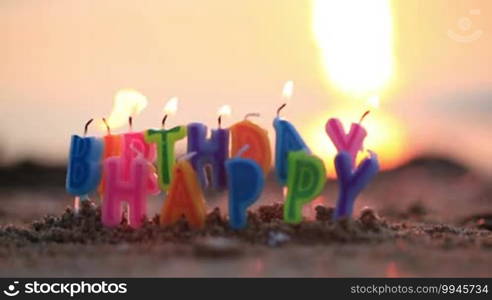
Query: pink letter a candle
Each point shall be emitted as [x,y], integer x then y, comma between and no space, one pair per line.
[185,198]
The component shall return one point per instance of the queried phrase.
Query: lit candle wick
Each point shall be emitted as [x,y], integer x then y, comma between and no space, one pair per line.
[169,109]
[280,108]
[108,129]
[130,122]
[286,94]
[219,121]
[223,111]
[86,127]
[364,115]
[163,123]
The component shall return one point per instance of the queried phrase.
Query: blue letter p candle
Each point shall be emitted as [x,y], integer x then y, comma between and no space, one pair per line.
[245,182]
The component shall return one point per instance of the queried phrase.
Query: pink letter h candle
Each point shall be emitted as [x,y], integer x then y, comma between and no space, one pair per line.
[133,191]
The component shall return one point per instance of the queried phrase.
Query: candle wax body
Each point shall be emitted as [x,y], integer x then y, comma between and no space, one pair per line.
[165,140]
[287,139]
[351,142]
[213,152]
[352,182]
[245,180]
[306,179]
[132,190]
[84,165]
[247,133]
[112,147]
[185,198]
[133,146]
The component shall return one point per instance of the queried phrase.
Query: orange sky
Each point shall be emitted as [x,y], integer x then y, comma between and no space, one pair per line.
[62,61]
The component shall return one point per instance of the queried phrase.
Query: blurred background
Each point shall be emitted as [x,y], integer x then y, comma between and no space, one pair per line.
[423,68]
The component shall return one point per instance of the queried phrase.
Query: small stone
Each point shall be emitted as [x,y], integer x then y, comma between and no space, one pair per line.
[277,238]
[369,217]
[214,218]
[484,223]
[217,247]
[324,213]
[271,212]
[417,209]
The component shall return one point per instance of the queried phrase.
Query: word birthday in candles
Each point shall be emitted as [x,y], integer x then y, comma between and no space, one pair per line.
[126,168]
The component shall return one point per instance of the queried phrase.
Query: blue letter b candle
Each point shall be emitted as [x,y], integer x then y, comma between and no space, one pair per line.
[84,165]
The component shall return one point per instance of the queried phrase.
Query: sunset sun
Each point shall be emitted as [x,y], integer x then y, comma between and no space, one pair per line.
[355,40]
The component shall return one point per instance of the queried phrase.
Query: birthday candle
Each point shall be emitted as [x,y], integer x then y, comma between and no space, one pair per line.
[247,133]
[352,182]
[245,180]
[306,179]
[287,139]
[185,198]
[127,105]
[134,145]
[352,141]
[112,142]
[165,140]
[112,147]
[213,152]
[84,164]
[132,190]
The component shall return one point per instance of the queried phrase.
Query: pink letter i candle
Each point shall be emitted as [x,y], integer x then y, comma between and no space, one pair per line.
[134,144]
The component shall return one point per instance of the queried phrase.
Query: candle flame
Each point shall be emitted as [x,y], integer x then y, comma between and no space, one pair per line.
[224,110]
[127,103]
[373,101]
[288,90]
[171,106]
